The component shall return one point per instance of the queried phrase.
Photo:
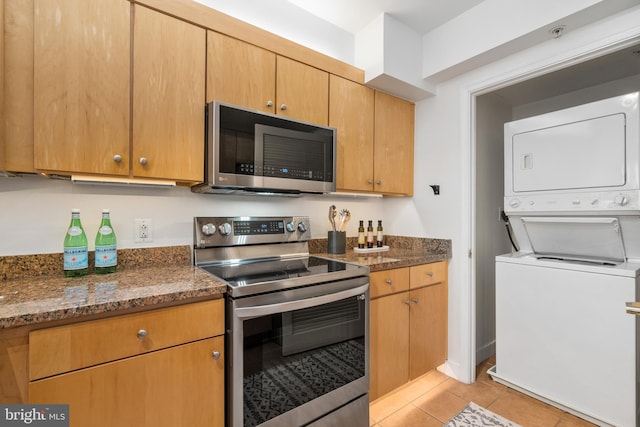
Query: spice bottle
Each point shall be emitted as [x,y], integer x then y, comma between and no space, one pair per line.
[379,235]
[370,235]
[361,235]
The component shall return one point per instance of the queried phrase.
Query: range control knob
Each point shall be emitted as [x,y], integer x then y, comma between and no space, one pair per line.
[302,227]
[224,229]
[620,200]
[514,203]
[209,229]
[291,227]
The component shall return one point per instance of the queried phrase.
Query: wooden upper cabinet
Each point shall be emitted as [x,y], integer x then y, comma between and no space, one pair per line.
[17,113]
[240,73]
[302,92]
[81,78]
[393,147]
[169,60]
[351,113]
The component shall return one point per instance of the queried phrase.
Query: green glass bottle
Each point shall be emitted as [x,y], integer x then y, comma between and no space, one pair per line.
[76,251]
[106,252]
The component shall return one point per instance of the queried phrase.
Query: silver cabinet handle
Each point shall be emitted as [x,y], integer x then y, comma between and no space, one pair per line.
[415,300]
[283,107]
[378,182]
[117,158]
[143,161]
[142,334]
[215,355]
[370,181]
[408,302]
[389,282]
[269,103]
[430,274]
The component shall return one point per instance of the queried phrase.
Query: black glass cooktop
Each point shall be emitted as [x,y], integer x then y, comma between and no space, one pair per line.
[305,269]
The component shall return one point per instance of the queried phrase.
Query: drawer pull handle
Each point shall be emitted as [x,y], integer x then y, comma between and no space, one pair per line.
[216,355]
[389,282]
[430,274]
[142,334]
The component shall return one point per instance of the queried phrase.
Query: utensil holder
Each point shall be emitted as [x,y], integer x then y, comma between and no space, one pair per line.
[336,242]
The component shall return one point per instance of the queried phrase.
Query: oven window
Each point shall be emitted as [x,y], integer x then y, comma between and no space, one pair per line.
[292,358]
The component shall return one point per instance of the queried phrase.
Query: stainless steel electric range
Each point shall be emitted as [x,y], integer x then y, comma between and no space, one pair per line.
[297,326]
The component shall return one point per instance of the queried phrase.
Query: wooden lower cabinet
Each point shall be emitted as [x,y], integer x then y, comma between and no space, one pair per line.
[428,329]
[408,326]
[389,343]
[167,368]
[178,386]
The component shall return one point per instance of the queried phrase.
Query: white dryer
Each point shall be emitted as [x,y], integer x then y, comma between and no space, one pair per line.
[572,194]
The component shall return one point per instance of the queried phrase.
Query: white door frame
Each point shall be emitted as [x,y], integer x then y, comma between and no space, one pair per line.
[468,94]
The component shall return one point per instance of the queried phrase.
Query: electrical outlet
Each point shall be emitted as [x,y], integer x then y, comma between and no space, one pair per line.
[143,230]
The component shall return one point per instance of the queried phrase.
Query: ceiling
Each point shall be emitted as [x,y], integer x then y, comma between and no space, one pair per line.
[614,66]
[353,15]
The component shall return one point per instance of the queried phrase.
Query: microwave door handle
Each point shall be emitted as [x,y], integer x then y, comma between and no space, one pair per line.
[264,310]
[633,308]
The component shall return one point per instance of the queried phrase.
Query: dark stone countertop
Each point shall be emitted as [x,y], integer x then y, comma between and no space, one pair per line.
[37,297]
[33,289]
[403,252]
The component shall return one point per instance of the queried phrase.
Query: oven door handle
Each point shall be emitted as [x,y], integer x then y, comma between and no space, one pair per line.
[264,310]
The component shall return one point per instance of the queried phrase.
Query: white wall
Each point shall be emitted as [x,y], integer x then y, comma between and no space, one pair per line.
[444,130]
[491,237]
[35,212]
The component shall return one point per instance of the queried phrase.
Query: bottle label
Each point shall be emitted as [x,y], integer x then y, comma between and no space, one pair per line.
[105,230]
[74,231]
[106,256]
[379,236]
[76,258]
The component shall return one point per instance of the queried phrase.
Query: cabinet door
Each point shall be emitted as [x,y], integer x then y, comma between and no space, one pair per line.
[394,139]
[168,97]
[351,113]
[18,87]
[240,73]
[428,331]
[302,92]
[389,341]
[81,78]
[179,386]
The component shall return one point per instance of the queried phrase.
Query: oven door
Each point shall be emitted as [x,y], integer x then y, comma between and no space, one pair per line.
[299,354]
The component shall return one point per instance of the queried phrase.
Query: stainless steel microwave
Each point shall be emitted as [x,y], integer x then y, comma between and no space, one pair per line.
[248,151]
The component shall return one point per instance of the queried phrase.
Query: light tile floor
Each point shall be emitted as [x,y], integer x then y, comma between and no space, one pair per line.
[431,400]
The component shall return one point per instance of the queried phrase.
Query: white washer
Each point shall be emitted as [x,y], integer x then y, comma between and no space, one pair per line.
[563,335]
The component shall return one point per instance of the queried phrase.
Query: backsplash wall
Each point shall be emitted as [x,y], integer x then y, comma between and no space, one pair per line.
[35,212]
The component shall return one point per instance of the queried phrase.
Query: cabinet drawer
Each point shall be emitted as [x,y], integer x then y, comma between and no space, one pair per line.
[388,282]
[70,347]
[428,274]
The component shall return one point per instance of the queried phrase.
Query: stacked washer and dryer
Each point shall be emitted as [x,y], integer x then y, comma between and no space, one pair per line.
[572,195]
